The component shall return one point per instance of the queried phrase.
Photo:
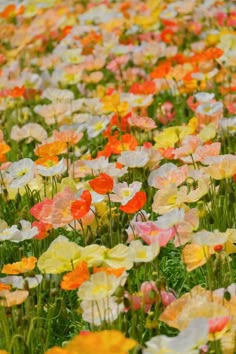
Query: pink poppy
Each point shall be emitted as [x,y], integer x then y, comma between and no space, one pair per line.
[150,233]
[42,211]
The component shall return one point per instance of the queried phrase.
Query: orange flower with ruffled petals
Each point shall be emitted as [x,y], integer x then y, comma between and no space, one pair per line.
[81,207]
[126,142]
[108,341]
[17,92]
[135,204]
[51,149]
[77,277]
[47,161]
[102,184]
[117,272]
[4,287]
[145,88]
[4,148]
[161,70]
[43,229]
[56,350]
[23,266]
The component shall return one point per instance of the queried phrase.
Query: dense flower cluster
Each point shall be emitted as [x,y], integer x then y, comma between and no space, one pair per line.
[117,177]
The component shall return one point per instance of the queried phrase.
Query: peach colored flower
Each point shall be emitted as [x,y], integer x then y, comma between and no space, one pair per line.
[167,174]
[195,256]
[220,167]
[61,208]
[68,136]
[8,298]
[144,123]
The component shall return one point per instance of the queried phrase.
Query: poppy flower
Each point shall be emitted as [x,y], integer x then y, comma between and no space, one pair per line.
[77,277]
[42,229]
[12,298]
[17,92]
[108,341]
[4,287]
[102,184]
[135,204]
[80,208]
[25,265]
[117,272]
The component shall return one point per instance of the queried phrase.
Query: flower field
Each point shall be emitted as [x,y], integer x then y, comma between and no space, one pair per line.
[117,177]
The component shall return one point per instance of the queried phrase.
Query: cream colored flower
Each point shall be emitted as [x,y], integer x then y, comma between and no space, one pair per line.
[96,312]
[143,253]
[118,257]
[100,286]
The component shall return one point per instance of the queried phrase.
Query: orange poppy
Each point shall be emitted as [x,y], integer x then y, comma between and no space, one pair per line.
[105,342]
[135,204]
[126,142]
[102,184]
[51,149]
[47,161]
[8,11]
[209,54]
[146,88]
[4,148]
[4,287]
[161,70]
[77,277]
[109,271]
[43,229]
[65,31]
[121,123]
[17,92]
[214,53]
[56,350]
[167,35]
[81,207]
[25,265]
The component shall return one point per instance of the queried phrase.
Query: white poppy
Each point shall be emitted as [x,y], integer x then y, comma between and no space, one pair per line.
[22,172]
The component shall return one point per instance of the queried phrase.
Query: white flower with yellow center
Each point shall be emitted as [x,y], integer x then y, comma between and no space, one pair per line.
[123,192]
[96,312]
[96,125]
[22,172]
[132,159]
[143,253]
[57,169]
[189,341]
[119,256]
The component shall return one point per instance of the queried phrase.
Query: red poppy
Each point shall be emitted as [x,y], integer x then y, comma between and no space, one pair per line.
[121,123]
[135,204]
[17,92]
[145,88]
[102,184]
[167,34]
[80,208]
[116,145]
[43,229]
